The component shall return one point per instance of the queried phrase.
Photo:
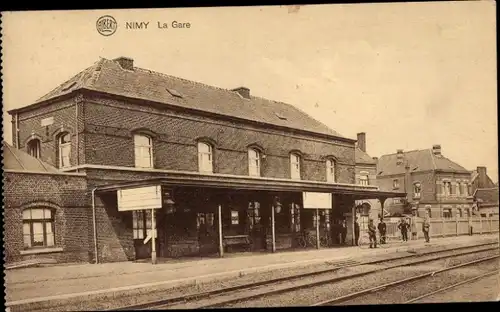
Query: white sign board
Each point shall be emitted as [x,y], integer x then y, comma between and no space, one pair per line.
[313,200]
[47,121]
[150,236]
[140,198]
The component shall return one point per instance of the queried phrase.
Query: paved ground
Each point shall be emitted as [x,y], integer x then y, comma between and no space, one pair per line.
[68,280]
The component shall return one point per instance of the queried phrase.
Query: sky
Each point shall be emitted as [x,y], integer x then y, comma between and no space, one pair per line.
[409,75]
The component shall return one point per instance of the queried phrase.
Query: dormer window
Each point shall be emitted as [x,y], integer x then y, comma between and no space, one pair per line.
[143,147]
[33,147]
[295,166]
[253,162]
[205,158]
[330,170]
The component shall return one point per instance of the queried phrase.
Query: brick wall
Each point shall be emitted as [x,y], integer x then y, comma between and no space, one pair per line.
[64,114]
[110,124]
[66,195]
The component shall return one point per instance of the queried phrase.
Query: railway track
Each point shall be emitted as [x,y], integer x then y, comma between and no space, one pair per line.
[246,292]
[370,291]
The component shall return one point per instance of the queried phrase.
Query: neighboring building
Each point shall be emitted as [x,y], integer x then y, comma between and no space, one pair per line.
[485,193]
[46,212]
[366,174]
[434,183]
[203,151]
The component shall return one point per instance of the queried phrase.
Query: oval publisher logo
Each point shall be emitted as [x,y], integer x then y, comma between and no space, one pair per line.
[106,25]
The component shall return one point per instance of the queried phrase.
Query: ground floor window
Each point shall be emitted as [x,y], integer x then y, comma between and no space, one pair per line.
[38,227]
[447,213]
[141,223]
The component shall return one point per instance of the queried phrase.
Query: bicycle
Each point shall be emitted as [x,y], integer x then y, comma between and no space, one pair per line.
[309,240]
[364,241]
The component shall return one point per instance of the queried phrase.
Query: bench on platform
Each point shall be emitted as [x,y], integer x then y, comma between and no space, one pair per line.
[236,240]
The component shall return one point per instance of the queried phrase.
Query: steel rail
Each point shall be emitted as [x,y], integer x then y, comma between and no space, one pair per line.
[470,280]
[206,294]
[399,282]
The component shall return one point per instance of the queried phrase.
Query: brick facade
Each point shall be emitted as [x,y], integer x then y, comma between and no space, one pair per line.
[66,195]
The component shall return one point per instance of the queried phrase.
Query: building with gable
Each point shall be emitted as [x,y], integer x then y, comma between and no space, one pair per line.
[435,185]
[46,211]
[218,160]
[485,193]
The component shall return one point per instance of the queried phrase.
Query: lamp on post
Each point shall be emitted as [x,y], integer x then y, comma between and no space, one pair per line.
[168,203]
[277,204]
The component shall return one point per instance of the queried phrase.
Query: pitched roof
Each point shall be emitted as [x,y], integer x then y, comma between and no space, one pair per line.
[419,160]
[15,159]
[109,77]
[487,195]
[363,157]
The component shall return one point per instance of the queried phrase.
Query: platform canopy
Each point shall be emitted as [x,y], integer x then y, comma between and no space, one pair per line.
[219,181]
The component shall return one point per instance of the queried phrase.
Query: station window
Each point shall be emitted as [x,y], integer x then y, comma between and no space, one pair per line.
[253,162]
[330,170]
[143,147]
[363,179]
[205,157]
[447,213]
[417,189]
[395,184]
[141,223]
[64,150]
[295,166]
[38,227]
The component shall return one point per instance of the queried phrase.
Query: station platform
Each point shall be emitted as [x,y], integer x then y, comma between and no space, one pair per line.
[56,282]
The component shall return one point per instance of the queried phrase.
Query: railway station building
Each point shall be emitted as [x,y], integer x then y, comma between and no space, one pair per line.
[196,169]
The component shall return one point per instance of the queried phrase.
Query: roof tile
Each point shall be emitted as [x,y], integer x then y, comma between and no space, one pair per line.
[108,76]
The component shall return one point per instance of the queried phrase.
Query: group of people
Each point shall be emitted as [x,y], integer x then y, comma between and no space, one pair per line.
[404,226]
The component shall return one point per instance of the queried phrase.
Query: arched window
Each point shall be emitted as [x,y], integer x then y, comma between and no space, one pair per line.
[253,162]
[143,148]
[330,170]
[34,148]
[38,227]
[205,157]
[295,166]
[64,150]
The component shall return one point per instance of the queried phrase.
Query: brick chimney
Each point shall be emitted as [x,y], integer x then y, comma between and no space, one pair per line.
[482,177]
[243,91]
[400,157]
[362,141]
[436,149]
[125,62]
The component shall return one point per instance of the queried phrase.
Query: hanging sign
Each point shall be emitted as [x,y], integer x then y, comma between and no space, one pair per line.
[314,200]
[141,198]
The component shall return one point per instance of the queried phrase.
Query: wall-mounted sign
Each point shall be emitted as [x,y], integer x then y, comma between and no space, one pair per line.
[140,198]
[47,121]
[234,217]
[313,200]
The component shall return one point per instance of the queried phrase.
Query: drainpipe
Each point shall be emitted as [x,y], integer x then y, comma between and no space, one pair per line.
[95,225]
[76,135]
[17,130]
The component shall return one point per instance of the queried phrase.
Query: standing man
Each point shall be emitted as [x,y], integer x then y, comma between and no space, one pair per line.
[372,233]
[403,227]
[343,232]
[425,228]
[356,231]
[382,229]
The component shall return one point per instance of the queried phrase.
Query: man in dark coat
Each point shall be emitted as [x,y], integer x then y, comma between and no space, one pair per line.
[403,227]
[372,234]
[343,231]
[382,229]
[356,232]
[425,228]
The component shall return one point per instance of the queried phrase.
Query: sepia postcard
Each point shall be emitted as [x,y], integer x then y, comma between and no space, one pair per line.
[258,156]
